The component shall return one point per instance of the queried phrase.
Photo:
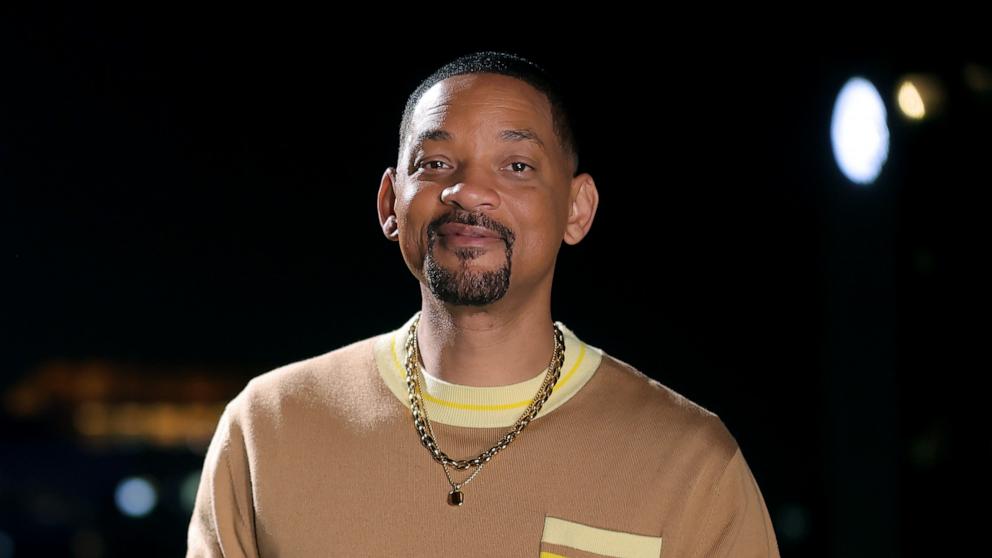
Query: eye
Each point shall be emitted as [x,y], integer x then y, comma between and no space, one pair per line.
[428,163]
[520,169]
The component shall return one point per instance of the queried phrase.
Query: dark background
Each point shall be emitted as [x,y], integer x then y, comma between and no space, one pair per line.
[189,201]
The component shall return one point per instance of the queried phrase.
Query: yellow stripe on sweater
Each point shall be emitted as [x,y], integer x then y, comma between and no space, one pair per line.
[598,540]
[475,407]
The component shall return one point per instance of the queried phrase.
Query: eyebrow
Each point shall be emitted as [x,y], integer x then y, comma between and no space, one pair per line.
[523,134]
[511,135]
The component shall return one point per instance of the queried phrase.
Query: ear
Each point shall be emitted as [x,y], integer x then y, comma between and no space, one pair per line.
[386,205]
[584,199]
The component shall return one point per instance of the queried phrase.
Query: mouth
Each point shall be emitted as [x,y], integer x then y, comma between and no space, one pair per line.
[463,240]
[462,232]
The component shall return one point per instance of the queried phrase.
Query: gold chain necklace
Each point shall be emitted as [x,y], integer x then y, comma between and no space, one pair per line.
[456,497]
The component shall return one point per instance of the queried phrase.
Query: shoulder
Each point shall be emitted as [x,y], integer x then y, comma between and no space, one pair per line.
[659,411]
[306,384]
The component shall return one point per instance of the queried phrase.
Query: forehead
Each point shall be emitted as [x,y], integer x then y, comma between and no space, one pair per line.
[478,100]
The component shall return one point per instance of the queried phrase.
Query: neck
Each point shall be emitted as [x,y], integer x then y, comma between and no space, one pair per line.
[489,346]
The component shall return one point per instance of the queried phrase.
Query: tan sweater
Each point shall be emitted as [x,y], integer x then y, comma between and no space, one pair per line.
[320,458]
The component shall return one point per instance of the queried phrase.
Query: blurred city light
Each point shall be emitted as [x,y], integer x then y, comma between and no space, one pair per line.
[910,101]
[135,497]
[858,131]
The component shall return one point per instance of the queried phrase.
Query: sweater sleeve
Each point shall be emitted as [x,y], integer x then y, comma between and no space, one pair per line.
[222,524]
[736,522]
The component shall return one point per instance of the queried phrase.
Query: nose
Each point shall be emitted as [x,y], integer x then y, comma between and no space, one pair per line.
[471,193]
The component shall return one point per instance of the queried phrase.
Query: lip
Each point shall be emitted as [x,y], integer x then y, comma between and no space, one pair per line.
[460,231]
[450,240]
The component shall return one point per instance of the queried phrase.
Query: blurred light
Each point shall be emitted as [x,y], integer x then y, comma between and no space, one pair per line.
[162,424]
[858,131]
[135,497]
[910,102]
[793,523]
[48,508]
[187,490]
[929,447]
[6,545]
[923,259]
[87,543]
[920,96]
[978,78]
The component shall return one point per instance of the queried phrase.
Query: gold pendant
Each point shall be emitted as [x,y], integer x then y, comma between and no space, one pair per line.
[456,497]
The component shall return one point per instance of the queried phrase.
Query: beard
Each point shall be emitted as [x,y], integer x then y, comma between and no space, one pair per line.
[465,286]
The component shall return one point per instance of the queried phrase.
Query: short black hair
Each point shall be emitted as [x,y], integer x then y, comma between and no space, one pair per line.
[508,64]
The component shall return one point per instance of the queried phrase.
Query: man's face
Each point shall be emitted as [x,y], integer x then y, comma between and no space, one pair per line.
[482,159]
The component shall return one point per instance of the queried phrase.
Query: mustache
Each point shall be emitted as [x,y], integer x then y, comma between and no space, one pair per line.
[474,220]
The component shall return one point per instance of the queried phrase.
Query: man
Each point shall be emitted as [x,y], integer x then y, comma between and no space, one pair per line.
[480,427]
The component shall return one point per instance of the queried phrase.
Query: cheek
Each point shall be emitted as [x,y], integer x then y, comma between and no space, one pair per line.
[412,211]
[538,238]
[410,242]
[411,248]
